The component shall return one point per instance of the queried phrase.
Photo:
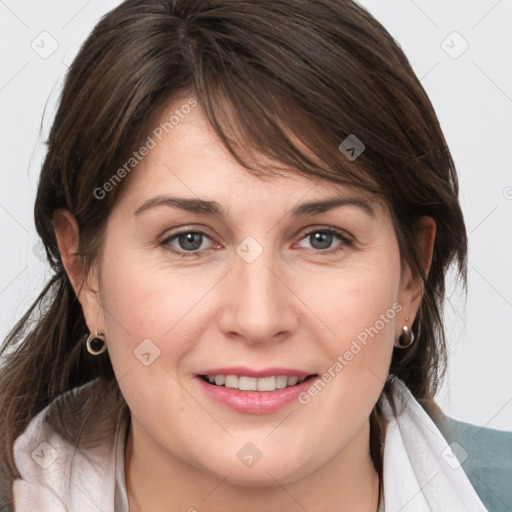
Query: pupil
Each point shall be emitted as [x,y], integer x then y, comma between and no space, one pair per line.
[325,240]
[190,241]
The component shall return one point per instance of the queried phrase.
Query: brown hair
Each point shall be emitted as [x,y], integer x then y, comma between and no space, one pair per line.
[267,74]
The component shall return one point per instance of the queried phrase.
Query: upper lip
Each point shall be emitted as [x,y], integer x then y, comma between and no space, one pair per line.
[257,373]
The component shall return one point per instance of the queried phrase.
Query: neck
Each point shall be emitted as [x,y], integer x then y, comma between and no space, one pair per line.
[158,481]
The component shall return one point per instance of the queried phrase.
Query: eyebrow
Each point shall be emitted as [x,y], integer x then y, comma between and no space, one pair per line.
[202,206]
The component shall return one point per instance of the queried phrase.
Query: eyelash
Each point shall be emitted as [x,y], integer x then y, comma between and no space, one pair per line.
[346,241]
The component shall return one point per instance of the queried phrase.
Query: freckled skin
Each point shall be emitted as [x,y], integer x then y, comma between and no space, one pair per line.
[295,306]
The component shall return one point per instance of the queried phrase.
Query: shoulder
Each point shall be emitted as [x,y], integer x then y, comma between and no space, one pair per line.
[484,454]
[42,458]
[62,470]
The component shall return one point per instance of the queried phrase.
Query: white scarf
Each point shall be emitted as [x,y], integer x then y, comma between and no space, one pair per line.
[420,470]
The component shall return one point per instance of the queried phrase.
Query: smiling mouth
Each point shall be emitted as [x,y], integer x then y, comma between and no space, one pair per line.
[244,383]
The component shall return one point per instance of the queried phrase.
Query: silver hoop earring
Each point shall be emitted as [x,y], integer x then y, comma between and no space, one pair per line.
[406,339]
[96,344]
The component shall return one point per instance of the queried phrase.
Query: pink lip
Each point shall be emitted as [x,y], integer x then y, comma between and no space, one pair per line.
[259,374]
[254,402]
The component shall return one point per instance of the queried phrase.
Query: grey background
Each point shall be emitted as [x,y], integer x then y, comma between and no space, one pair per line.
[471,89]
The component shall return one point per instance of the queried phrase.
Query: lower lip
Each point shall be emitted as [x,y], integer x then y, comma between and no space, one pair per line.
[255,402]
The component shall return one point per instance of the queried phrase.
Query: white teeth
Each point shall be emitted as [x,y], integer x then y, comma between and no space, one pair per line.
[292,381]
[231,381]
[247,383]
[281,381]
[267,384]
[244,383]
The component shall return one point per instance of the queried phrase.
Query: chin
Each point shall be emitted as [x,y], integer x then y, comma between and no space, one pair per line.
[264,476]
[263,470]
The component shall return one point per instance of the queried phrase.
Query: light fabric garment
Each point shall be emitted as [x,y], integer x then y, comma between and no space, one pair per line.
[421,473]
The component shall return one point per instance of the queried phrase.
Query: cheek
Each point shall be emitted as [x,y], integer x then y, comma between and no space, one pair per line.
[149,324]
[146,298]
[157,311]
[359,307]
[360,310]
[357,300]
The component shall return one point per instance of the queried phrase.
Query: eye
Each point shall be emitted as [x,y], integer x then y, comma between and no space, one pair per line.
[322,239]
[186,242]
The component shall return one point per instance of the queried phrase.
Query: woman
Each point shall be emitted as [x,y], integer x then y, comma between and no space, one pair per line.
[250,209]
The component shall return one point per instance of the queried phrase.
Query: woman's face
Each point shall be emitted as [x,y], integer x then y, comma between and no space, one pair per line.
[262,286]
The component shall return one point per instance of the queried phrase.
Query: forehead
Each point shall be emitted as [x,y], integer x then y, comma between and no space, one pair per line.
[187,158]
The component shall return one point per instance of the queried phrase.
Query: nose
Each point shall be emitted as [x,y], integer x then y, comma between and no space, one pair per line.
[260,306]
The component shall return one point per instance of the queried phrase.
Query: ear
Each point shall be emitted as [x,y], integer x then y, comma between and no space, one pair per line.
[86,286]
[411,291]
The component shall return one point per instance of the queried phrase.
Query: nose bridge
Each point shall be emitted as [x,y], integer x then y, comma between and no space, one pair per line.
[259,305]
